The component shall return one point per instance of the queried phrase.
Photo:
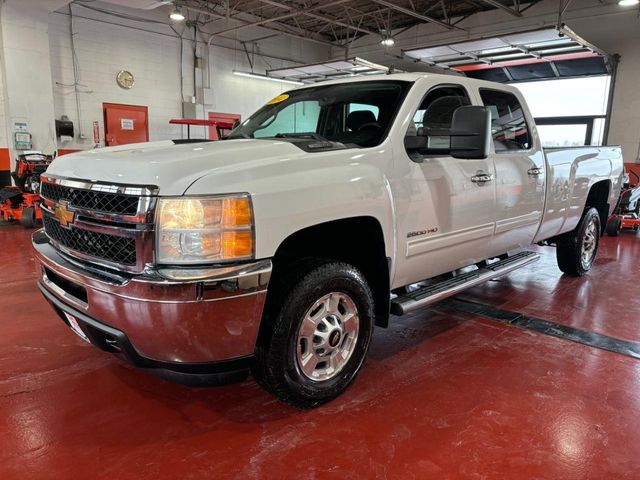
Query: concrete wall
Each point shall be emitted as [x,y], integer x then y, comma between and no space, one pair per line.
[37,80]
[26,85]
[605,24]
[152,53]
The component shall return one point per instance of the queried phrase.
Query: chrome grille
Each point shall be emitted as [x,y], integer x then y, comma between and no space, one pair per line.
[114,203]
[109,225]
[114,249]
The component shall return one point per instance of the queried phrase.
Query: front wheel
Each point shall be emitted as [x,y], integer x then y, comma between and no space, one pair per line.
[317,334]
[577,250]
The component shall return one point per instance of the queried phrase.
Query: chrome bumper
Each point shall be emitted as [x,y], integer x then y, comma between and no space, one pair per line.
[212,317]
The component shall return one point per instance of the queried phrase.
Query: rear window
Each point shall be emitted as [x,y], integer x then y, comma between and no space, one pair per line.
[508,124]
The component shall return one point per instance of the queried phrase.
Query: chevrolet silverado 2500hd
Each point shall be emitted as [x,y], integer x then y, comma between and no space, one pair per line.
[279,248]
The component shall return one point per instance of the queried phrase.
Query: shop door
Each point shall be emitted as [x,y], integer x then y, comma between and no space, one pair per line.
[221,117]
[125,124]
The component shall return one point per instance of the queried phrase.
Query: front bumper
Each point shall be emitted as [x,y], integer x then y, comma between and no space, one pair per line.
[190,331]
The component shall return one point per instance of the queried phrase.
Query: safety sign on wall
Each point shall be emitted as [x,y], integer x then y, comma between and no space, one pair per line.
[126,124]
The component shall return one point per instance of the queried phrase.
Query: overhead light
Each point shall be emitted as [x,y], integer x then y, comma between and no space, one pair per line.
[265,77]
[388,42]
[176,15]
[628,3]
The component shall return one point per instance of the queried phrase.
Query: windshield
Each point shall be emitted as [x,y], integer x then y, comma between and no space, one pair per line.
[356,114]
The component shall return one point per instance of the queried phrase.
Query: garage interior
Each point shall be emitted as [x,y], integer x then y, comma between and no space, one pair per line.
[529,375]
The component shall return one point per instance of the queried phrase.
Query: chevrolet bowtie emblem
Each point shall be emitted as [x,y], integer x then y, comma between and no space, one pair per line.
[64,216]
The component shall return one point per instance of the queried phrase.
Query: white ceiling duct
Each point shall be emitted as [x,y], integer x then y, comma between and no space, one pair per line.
[141,4]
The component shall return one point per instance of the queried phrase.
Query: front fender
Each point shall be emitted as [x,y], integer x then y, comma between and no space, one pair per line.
[291,194]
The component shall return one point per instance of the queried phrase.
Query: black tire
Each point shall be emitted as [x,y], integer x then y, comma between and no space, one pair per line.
[614,225]
[28,218]
[276,364]
[576,251]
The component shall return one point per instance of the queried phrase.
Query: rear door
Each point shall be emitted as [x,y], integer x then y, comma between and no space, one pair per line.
[520,171]
[445,212]
[124,124]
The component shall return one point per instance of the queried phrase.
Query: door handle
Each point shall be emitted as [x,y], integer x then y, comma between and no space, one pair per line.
[535,171]
[482,178]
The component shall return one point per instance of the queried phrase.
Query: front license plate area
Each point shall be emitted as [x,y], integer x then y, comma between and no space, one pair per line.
[75,326]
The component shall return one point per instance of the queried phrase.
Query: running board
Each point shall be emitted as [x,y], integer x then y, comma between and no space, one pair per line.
[433,293]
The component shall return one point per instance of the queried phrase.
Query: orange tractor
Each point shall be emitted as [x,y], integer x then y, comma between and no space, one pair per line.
[626,216]
[22,201]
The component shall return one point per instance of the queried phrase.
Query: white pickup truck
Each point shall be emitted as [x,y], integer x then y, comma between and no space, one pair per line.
[279,248]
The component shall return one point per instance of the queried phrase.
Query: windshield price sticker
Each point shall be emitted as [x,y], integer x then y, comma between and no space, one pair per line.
[278,99]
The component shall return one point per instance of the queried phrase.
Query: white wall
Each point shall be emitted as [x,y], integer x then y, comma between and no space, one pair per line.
[36,69]
[152,53]
[27,94]
[102,51]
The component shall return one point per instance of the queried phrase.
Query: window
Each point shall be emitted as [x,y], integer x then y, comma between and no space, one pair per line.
[508,124]
[570,111]
[434,117]
[300,117]
[351,114]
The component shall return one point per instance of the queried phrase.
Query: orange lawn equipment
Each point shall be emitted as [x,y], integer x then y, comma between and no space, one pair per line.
[22,202]
[626,215]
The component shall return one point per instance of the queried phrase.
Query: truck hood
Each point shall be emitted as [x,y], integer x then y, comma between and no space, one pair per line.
[172,168]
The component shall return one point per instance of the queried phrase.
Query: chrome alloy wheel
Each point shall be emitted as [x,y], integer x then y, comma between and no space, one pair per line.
[327,336]
[589,244]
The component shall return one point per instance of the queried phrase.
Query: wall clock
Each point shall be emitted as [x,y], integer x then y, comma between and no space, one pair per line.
[125,79]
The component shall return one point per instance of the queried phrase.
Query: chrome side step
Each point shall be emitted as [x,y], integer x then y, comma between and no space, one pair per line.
[433,293]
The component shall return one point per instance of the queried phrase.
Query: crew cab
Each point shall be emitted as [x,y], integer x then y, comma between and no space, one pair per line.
[334,206]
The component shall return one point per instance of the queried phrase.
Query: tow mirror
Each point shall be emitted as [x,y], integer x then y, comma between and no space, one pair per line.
[471,132]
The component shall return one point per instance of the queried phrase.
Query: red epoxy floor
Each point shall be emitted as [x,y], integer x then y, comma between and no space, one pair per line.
[443,395]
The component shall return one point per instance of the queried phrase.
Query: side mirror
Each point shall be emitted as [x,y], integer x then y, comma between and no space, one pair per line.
[471,132]
[415,142]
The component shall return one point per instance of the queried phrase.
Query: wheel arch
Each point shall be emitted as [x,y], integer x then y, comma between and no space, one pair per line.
[598,198]
[360,242]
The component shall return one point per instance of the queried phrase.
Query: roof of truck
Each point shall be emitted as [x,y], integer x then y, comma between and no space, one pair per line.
[412,77]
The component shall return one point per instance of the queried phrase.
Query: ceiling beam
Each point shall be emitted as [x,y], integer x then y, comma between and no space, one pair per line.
[341,24]
[417,15]
[323,18]
[500,6]
[276,30]
[264,21]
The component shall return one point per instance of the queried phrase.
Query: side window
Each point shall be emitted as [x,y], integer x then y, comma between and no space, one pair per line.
[300,117]
[433,118]
[508,124]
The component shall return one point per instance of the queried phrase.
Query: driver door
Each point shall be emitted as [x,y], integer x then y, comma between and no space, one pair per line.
[446,214]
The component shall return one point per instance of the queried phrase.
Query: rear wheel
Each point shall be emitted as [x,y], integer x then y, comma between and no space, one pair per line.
[614,225]
[317,334]
[577,251]
[28,218]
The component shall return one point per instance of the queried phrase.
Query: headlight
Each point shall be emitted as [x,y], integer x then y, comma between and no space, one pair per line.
[200,230]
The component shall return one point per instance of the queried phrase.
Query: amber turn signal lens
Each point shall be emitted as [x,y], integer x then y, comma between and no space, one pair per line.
[237,244]
[236,212]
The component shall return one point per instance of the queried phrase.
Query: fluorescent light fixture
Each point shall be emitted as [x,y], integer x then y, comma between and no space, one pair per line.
[388,42]
[366,63]
[176,15]
[265,77]
[628,3]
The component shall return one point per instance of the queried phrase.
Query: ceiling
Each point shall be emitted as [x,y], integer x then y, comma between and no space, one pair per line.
[338,22]
[520,56]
